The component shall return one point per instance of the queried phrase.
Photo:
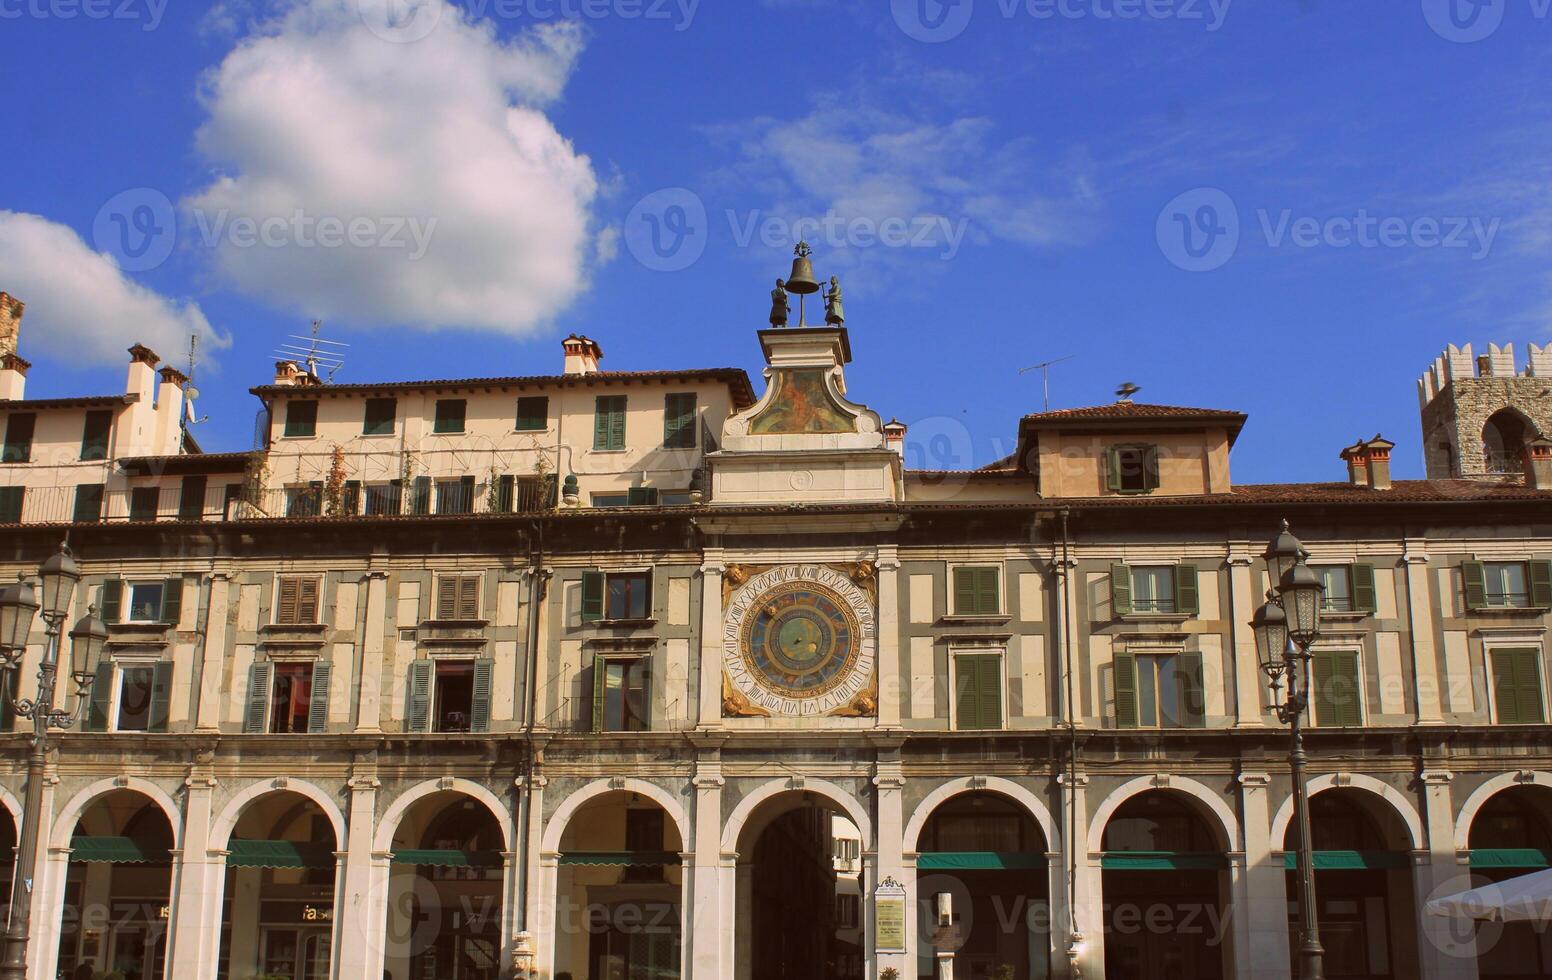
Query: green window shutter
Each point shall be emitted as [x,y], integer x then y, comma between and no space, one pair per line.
[1125,671]
[1541,584]
[94,437]
[1474,573]
[1517,687]
[172,601]
[19,430]
[318,705]
[506,494]
[1364,596]
[964,591]
[301,419]
[255,718]
[533,413]
[1187,593]
[381,417]
[1150,467]
[110,601]
[978,696]
[1120,590]
[1322,689]
[418,717]
[679,421]
[609,422]
[1337,690]
[451,414]
[7,712]
[88,503]
[1193,692]
[102,695]
[12,500]
[976,591]
[161,696]
[600,686]
[1113,469]
[484,675]
[592,596]
[990,690]
[641,496]
[420,496]
[191,498]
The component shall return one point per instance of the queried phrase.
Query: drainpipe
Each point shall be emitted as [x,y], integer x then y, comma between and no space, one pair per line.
[1070,710]
[538,587]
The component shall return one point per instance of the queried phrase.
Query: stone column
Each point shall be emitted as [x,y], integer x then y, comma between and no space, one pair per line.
[1425,662]
[49,867]
[710,680]
[541,919]
[213,655]
[1446,948]
[891,691]
[369,658]
[706,919]
[380,892]
[1261,919]
[359,908]
[194,938]
[1089,910]
[889,845]
[1249,683]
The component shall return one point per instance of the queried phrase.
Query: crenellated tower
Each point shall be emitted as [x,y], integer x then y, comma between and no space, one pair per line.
[1481,411]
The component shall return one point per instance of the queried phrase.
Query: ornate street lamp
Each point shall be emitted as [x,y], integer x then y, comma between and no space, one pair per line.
[19,605]
[1285,627]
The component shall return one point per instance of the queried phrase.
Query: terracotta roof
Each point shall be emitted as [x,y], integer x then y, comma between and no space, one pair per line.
[88,401]
[186,463]
[1134,410]
[735,378]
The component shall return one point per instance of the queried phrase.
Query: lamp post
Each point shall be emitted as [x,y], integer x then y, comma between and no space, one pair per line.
[19,603]
[1285,627]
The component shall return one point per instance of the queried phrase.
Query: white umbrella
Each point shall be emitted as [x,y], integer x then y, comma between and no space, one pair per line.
[1524,899]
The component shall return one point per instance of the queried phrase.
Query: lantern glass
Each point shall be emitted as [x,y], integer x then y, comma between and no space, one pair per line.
[1283,553]
[60,574]
[18,606]
[1301,593]
[86,642]
[1271,628]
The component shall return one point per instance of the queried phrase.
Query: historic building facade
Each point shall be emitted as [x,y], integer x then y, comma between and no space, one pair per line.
[605,674]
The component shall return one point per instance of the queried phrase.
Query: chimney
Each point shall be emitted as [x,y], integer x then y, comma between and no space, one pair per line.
[142,373]
[894,436]
[582,355]
[11,310]
[1357,464]
[169,411]
[1368,463]
[13,377]
[1538,464]
[286,373]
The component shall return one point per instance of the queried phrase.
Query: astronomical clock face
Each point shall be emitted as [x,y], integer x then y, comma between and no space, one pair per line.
[800,641]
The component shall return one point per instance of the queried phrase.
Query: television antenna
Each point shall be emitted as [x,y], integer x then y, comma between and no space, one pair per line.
[190,394]
[313,351]
[1044,368]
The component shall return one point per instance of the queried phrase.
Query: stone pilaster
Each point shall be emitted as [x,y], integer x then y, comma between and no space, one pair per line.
[891,691]
[1243,601]
[194,941]
[1446,948]
[1425,661]
[889,850]
[710,714]
[369,656]
[708,910]
[359,908]
[1261,918]
[213,654]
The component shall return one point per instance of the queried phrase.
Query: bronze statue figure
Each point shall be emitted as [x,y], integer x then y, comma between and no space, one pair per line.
[835,313]
[780,310]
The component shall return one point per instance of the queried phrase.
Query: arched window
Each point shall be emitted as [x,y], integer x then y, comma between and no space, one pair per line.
[1503,441]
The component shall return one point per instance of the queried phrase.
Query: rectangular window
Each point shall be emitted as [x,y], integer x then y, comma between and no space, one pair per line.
[94,435]
[454,695]
[296,601]
[621,694]
[291,697]
[611,500]
[88,503]
[191,499]
[978,691]
[1338,692]
[230,500]
[301,419]
[145,601]
[382,415]
[1517,687]
[19,429]
[451,413]
[609,423]
[144,503]
[1153,588]
[1159,690]
[305,500]
[679,413]
[384,499]
[134,706]
[1132,469]
[11,501]
[1349,588]
[458,598]
[977,590]
[1508,584]
[533,413]
[455,496]
[641,497]
[629,596]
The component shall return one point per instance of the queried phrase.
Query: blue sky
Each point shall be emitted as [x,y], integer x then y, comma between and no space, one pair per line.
[1286,207]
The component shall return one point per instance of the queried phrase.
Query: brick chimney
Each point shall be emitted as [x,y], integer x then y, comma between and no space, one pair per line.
[1538,464]
[142,373]
[1368,463]
[1357,464]
[169,411]
[286,373]
[582,355]
[13,377]
[894,436]
[11,310]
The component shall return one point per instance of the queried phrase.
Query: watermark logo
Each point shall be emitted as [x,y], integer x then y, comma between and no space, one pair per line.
[1199,230]
[148,12]
[1465,21]
[667,230]
[933,21]
[400,21]
[138,227]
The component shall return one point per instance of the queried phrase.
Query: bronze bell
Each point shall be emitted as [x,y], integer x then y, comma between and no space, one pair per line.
[802,280]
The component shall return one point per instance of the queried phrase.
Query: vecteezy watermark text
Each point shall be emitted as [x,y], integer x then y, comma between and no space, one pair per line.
[935,21]
[302,230]
[147,12]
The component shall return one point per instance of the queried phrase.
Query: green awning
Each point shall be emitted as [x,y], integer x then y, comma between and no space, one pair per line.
[620,859]
[116,850]
[279,854]
[1161,861]
[979,861]
[1510,857]
[448,859]
[1351,860]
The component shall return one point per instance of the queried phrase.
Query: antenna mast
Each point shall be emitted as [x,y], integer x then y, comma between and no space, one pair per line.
[1045,374]
[314,351]
[190,393]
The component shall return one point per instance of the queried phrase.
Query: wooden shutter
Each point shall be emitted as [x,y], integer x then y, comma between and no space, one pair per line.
[161,696]
[1125,672]
[94,437]
[600,686]
[1474,575]
[679,421]
[12,502]
[447,598]
[1365,598]
[88,503]
[968,699]
[506,494]
[172,602]
[318,706]
[1120,590]
[286,601]
[1541,584]
[420,496]
[1189,677]
[191,498]
[1187,592]
[19,430]
[592,596]
[307,601]
[1113,469]
[964,592]
[469,597]
[989,687]
[641,497]
[110,601]
[102,695]
[418,717]
[1517,687]
[255,719]
[1150,467]
[1336,690]
[479,714]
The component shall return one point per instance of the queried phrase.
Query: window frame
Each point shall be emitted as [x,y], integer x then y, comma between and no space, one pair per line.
[1181,656]
[1166,605]
[448,665]
[367,418]
[278,604]
[1116,476]
[956,657]
[604,440]
[116,702]
[1488,593]
[438,419]
[544,420]
[130,585]
[458,581]
[19,451]
[1000,589]
[689,430]
[602,615]
[601,663]
[289,665]
[292,427]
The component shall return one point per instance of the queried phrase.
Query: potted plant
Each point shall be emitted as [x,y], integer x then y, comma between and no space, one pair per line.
[889,973]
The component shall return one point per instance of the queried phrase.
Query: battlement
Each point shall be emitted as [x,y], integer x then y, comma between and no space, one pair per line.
[1461,364]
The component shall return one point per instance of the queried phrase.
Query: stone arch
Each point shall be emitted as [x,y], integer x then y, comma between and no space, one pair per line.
[221,829]
[989,784]
[389,823]
[1403,807]
[849,804]
[555,827]
[1227,822]
[12,806]
[1478,799]
[70,814]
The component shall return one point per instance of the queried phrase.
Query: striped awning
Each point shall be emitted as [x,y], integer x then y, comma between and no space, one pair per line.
[427,857]
[117,850]
[620,859]
[979,861]
[279,854]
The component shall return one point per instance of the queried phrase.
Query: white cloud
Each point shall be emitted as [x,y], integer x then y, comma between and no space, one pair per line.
[79,302]
[316,118]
